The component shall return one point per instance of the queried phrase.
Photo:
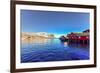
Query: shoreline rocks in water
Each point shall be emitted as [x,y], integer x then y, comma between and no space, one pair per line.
[63,38]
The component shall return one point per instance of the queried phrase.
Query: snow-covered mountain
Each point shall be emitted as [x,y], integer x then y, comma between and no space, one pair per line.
[25,35]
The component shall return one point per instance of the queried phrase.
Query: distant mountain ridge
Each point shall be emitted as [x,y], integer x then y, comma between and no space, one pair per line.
[25,35]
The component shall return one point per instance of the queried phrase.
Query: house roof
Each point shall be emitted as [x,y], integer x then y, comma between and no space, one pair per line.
[80,34]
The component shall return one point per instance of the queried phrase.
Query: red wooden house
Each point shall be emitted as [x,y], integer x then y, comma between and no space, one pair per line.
[79,37]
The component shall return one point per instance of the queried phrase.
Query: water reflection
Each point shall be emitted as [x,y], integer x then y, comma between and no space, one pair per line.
[43,49]
[36,40]
[65,44]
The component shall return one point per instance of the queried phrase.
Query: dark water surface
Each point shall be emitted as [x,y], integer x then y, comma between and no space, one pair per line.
[52,50]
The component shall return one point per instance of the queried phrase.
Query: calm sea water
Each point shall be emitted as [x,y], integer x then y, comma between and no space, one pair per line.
[52,50]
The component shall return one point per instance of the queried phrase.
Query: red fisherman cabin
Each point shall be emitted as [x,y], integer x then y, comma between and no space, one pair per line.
[79,37]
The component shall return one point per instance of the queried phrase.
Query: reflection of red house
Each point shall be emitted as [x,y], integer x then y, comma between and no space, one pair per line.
[79,37]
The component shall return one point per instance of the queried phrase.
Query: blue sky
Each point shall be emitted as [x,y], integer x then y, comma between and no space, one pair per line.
[57,23]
